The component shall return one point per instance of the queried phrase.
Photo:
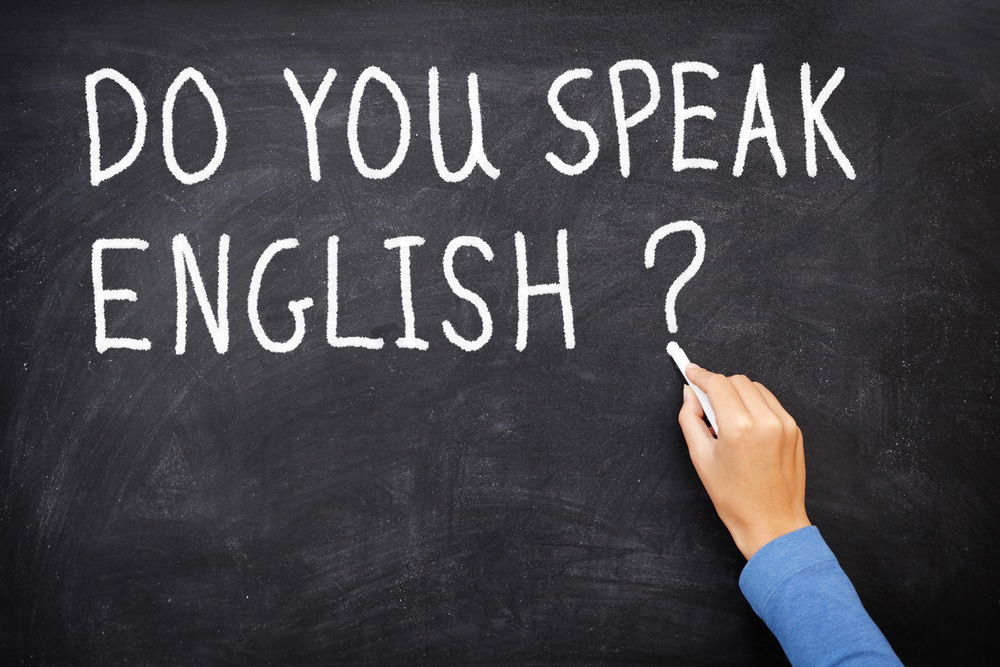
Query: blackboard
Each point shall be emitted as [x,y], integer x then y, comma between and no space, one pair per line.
[501,505]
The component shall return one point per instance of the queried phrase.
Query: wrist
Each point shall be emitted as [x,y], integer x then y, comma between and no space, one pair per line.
[751,537]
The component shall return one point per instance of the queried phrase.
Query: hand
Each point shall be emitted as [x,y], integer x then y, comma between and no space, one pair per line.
[755,471]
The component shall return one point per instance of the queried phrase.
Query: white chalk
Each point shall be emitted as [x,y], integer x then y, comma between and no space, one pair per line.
[682,361]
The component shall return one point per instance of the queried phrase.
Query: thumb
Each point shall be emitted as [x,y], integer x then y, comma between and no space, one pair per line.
[696,433]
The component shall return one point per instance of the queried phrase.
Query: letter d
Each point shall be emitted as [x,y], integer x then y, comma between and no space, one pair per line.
[96,173]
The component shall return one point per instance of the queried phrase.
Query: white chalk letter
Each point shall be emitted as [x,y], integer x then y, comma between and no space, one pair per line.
[333,304]
[477,155]
[404,243]
[467,294]
[593,146]
[618,101]
[191,74]
[310,111]
[757,98]
[352,124]
[812,115]
[102,296]
[524,290]
[297,308]
[96,173]
[185,265]
[682,114]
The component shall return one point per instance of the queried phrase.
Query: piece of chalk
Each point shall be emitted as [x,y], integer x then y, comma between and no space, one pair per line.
[682,361]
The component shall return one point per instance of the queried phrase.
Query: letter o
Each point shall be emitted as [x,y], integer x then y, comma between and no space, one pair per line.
[352,124]
[191,74]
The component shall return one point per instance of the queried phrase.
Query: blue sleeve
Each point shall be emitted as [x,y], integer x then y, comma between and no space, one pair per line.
[796,585]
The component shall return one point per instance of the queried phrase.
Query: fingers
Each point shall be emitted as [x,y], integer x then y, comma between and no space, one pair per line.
[776,407]
[773,402]
[721,394]
[740,402]
[754,401]
[699,438]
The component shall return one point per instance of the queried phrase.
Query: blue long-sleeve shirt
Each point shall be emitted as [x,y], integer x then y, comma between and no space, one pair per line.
[796,585]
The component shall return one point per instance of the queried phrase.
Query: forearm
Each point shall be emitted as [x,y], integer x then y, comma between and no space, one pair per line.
[798,588]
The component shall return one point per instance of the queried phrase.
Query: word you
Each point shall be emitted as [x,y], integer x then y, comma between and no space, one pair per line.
[216,316]
[625,119]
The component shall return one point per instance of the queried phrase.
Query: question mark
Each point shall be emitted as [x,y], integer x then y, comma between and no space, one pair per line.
[673,349]
[688,273]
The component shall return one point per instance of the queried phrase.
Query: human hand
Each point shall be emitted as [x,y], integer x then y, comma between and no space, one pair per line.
[755,471]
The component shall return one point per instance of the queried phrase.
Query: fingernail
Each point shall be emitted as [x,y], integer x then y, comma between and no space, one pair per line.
[687,393]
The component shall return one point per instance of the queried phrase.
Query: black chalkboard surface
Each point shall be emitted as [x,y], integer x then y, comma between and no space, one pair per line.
[499,505]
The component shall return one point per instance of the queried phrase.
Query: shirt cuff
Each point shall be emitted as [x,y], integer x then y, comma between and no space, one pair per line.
[778,561]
